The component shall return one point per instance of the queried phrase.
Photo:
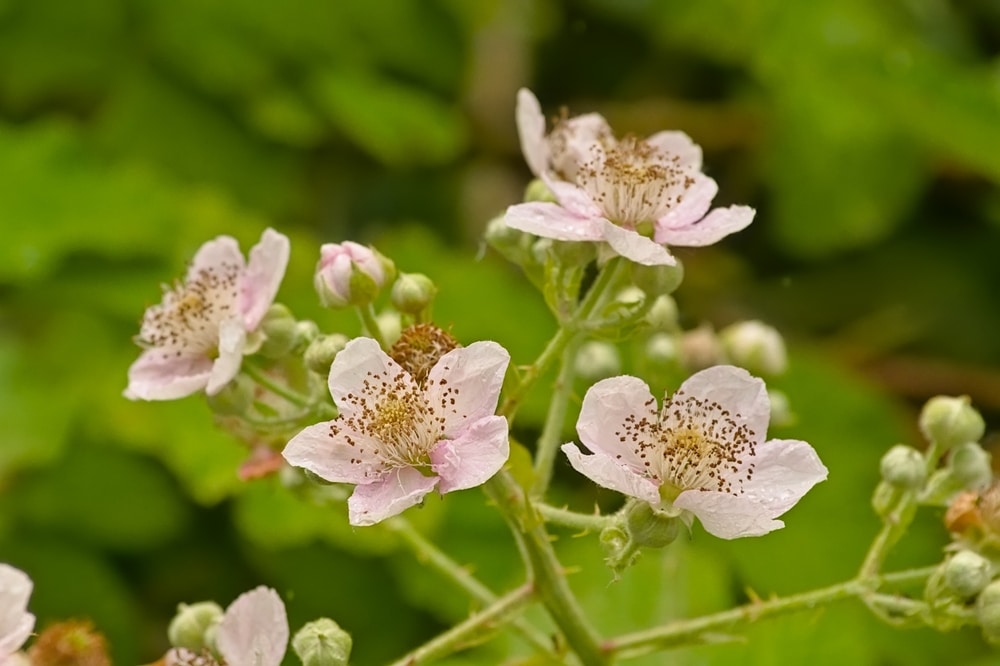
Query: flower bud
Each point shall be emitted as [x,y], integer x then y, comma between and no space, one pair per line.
[951,421]
[903,467]
[350,274]
[755,346]
[573,253]
[322,643]
[413,293]
[781,409]
[280,332]
[971,465]
[966,573]
[700,348]
[390,324]
[657,280]
[513,244]
[649,527]
[189,627]
[305,332]
[988,612]
[596,360]
[662,315]
[235,397]
[320,353]
[537,190]
[630,296]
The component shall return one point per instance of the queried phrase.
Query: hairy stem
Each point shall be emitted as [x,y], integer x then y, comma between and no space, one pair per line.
[551,437]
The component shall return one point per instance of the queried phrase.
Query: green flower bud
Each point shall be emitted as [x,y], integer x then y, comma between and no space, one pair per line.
[971,465]
[951,421]
[631,296]
[320,353]
[657,280]
[904,467]
[781,408]
[596,360]
[885,498]
[700,348]
[988,612]
[661,349]
[755,346]
[650,527]
[537,190]
[513,244]
[573,253]
[662,316]
[966,573]
[390,324]
[613,539]
[305,332]
[322,643]
[190,626]
[235,397]
[280,332]
[413,293]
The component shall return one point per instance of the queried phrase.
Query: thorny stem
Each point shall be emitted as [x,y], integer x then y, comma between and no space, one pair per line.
[549,440]
[583,522]
[367,315]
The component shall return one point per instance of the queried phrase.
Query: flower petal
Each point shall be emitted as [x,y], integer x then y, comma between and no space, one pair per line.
[607,407]
[333,457]
[464,385]
[609,473]
[265,270]
[159,375]
[395,492]
[16,622]
[728,516]
[550,220]
[634,247]
[215,253]
[472,458]
[735,390]
[574,199]
[711,229]
[531,131]
[254,630]
[360,376]
[693,206]
[678,144]
[232,340]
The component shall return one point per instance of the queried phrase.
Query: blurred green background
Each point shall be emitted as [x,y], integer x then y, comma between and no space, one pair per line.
[866,134]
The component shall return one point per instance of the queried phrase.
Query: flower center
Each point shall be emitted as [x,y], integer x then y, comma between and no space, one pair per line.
[187,320]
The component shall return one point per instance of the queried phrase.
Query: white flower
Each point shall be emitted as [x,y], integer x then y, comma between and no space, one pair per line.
[703,453]
[16,622]
[637,195]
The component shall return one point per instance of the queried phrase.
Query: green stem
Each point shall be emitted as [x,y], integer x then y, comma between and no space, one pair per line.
[549,578]
[429,554]
[367,316]
[478,625]
[551,437]
[294,397]
[584,522]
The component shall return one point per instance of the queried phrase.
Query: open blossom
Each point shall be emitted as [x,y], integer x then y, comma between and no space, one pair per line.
[398,438]
[16,622]
[196,337]
[703,453]
[350,274]
[638,195]
[252,632]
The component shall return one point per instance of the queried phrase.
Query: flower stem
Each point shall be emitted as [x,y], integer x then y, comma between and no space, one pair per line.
[551,437]
[367,316]
[292,396]
[463,634]
[429,554]
[583,522]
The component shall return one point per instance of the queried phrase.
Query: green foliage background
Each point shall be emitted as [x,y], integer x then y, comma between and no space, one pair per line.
[867,134]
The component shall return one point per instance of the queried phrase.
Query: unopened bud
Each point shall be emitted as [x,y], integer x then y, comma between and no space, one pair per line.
[755,346]
[700,348]
[781,408]
[597,360]
[390,324]
[321,352]
[350,274]
[234,398]
[413,293]
[966,573]
[513,244]
[661,349]
[305,332]
[322,643]
[189,626]
[573,253]
[951,421]
[988,612]
[537,190]
[631,296]
[903,467]
[971,465]
[651,528]
[657,280]
[662,316]
[280,332]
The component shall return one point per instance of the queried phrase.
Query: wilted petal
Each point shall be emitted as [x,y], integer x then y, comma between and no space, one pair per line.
[550,220]
[332,456]
[254,630]
[265,270]
[394,492]
[232,340]
[473,457]
[712,228]
[635,247]
[464,385]
[609,473]
[157,375]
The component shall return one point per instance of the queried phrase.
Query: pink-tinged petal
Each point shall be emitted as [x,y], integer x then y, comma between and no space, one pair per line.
[680,145]
[609,473]
[728,516]
[159,375]
[265,270]
[735,390]
[531,131]
[695,202]
[395,492]
[634,247]
[223,250]
[574,199]
[254,630]
[16,622]
[473,457]
[711,229]
[549,220]
[464,385]
[784,471]
[333,457]
[573,141]
[362,360]
[232,340]
[608,407]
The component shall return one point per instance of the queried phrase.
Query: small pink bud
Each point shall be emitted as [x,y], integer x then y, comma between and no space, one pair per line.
[350,274]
